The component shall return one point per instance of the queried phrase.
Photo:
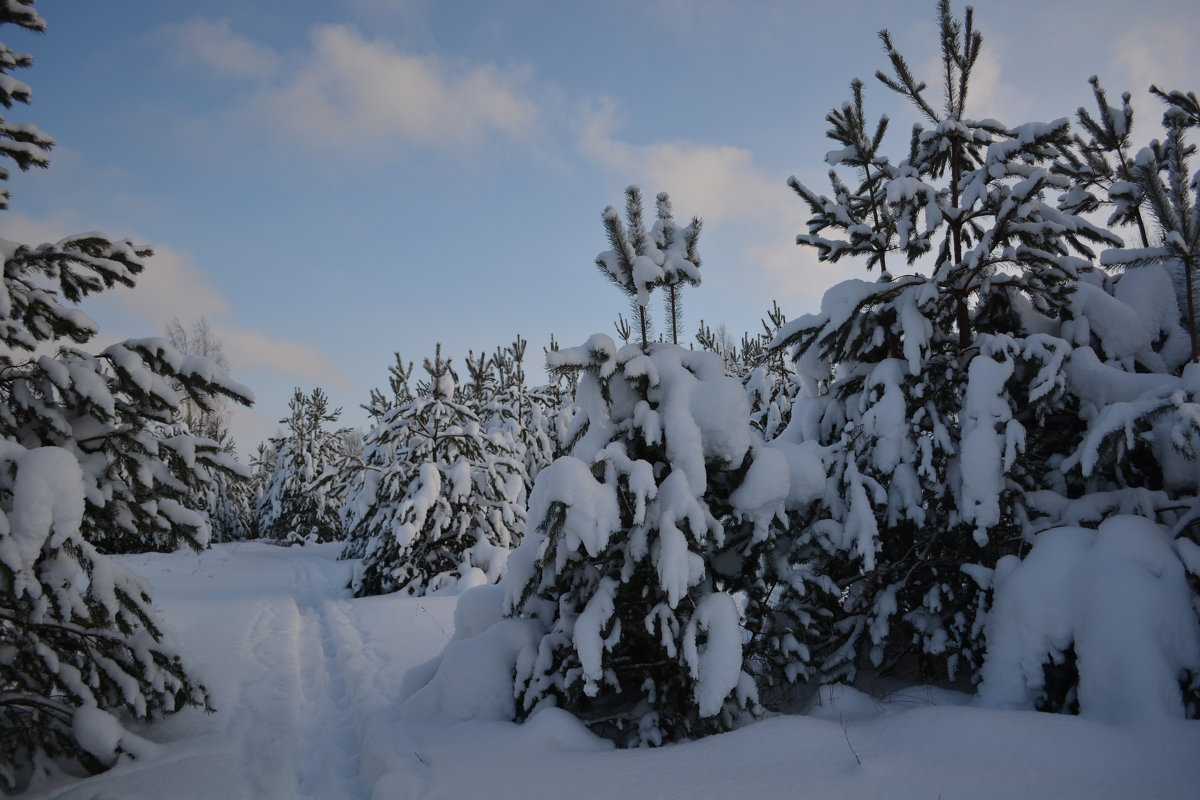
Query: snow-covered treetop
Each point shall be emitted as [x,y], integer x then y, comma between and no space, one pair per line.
[641,260]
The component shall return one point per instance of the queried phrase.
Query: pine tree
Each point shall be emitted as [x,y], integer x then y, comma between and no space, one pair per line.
[681,261]
[299,503]
[228,500]
[22,142]
[638,541]
[88,457]
[438,499]
[399,375]
[927,389]
[526,417]
[80,639]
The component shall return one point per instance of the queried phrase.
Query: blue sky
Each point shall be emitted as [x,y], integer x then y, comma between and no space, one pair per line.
[328,182]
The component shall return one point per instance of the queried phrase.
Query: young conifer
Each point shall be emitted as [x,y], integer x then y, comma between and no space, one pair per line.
[923,385]
[439,501]
[299,503]
[666,509]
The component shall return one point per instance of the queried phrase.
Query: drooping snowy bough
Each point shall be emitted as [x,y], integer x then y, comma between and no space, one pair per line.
[80,639]
[1099,622]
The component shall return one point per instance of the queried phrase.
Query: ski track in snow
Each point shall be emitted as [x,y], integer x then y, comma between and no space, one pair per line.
[307,705]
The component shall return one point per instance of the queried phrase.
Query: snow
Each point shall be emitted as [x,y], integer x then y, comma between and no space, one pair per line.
[47,504]
[1118,595]
[767,486]
[717,663]
[308,685]
[98,732]
[982,463]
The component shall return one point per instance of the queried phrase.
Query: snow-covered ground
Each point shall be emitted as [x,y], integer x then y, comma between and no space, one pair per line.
[307,682]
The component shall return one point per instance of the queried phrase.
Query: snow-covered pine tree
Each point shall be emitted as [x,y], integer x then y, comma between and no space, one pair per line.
[399,374]
[379,452]
[299,503]
[22,141]
[639,539]
[1089,163]
[117,410]
[438,500]
[230,506]
[262,466]
[941,397]
[79,639]
[86,455]
[532,417]
[771,381]
[1137,458]
[228,500]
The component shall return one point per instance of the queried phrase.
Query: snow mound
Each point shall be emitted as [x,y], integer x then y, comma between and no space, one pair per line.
[1119,597]
[473,677]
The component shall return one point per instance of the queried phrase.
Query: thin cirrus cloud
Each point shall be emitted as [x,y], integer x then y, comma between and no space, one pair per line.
[348,88]
[213,45]
[173,287]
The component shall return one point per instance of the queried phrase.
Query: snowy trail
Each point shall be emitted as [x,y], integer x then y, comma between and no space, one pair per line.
[307,682]
[306,694]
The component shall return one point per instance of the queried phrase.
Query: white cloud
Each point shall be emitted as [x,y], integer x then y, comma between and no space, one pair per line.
[1157,55]
[736,198]
[717,182]
[252,350]
[353,91]
[990,95]
[173,287]
[722,181]
[213,44]
[795,273]
[250,426]
[359,95]
[22,228]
